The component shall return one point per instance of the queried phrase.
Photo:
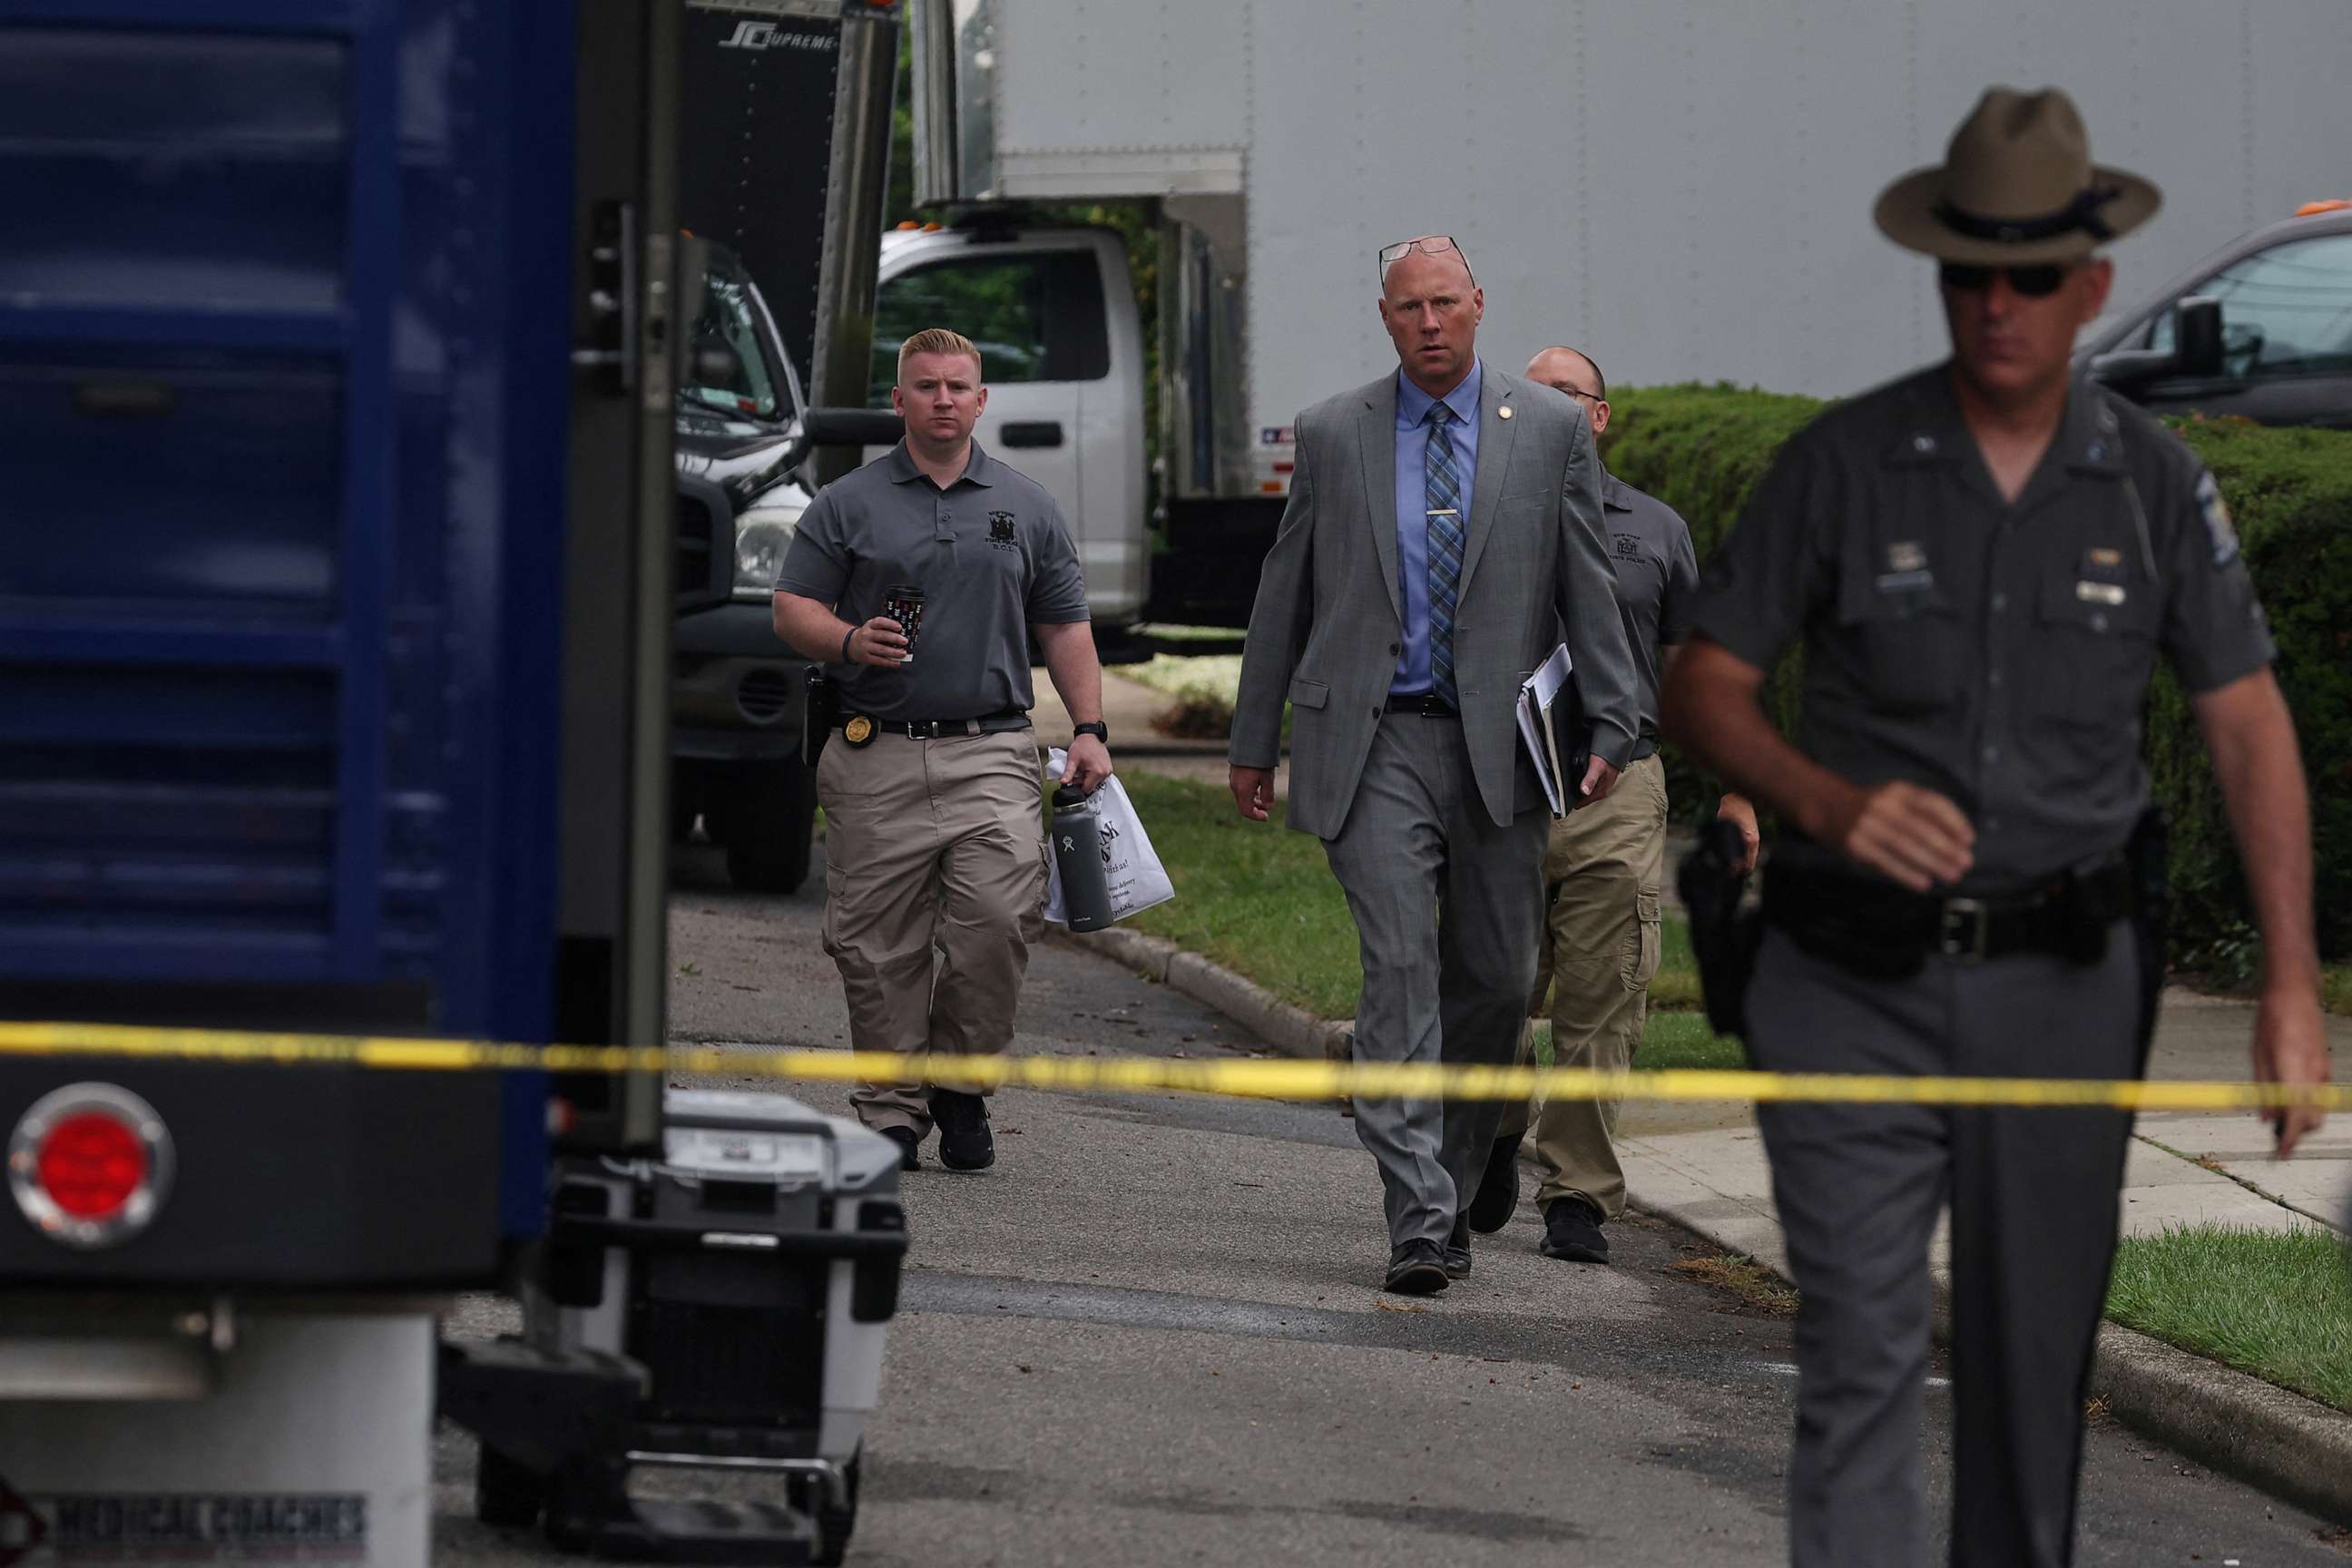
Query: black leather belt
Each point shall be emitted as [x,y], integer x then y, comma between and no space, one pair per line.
[1428,704]
[1885,926]
[941,729]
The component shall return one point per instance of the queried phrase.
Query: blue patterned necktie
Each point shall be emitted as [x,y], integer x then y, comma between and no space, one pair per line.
[1444,481]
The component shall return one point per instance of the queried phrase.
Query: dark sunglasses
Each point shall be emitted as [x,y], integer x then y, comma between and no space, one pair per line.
[2033,283]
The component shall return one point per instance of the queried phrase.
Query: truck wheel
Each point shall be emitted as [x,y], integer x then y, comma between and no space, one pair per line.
[506,1494]
[767,828]
[834,1525]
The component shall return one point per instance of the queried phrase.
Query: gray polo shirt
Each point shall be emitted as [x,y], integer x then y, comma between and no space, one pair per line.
[1657,572]
[1997,653]
[990,554]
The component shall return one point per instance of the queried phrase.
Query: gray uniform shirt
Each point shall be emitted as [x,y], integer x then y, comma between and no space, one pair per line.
[990,554]
[1998,654]
[1657,572]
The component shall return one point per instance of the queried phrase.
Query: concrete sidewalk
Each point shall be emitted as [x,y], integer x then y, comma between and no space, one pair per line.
[1129,708]
[2184,1168]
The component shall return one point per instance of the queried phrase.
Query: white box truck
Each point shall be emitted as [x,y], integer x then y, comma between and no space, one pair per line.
[1681,186]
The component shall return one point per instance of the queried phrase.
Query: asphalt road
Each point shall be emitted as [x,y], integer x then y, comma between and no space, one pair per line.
[1151,1334]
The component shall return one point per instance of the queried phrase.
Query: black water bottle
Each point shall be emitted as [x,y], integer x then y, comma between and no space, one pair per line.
[1078,856]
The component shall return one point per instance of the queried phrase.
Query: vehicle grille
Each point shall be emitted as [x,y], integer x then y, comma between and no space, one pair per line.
[763,695]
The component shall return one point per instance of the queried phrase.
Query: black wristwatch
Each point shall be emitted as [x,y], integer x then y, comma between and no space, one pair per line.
[1098,729]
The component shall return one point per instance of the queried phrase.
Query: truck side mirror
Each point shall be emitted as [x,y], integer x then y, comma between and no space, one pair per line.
[2195,353]
[2198,332]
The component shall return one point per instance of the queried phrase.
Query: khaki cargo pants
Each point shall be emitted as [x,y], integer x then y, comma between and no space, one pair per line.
[935,887]
[1602,869]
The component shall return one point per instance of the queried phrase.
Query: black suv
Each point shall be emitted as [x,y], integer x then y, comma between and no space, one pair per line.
[743,436]
[2261,328]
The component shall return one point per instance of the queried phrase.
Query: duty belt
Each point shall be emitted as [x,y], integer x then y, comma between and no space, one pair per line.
[940,729]
[1883,926]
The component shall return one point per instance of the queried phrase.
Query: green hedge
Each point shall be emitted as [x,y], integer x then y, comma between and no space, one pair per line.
[1702,448]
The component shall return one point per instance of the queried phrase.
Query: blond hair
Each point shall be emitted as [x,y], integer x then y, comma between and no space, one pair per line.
[938,341]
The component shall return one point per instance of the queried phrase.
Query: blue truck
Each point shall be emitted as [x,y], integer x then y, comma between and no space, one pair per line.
[340,348]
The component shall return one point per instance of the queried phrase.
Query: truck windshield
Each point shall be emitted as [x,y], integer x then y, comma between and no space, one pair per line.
[727,366]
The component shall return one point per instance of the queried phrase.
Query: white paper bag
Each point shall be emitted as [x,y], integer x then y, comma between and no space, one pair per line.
[1137,879]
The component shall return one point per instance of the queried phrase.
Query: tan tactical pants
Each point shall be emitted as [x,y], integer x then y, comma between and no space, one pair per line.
[1602,869]
[935,887]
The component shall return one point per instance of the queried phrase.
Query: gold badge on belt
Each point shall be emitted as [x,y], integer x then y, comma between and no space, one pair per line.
[858,730]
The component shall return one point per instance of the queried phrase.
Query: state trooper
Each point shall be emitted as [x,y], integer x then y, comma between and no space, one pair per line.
[920,578]
[1982,561]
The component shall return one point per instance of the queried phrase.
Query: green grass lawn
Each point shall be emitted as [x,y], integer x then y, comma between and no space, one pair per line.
[2277,1306]
[1261,900]
[2336,987]
[1252,895]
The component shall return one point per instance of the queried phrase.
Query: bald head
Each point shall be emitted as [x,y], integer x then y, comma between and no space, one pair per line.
[1432,306]
[1428,258]
[1568,370]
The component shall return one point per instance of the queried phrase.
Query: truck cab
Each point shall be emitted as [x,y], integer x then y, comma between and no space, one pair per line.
[1053,312]
[2261,329]
[736,696]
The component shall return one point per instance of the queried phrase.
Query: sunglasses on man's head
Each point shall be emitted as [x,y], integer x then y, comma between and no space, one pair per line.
[2033,283]
[1437,244]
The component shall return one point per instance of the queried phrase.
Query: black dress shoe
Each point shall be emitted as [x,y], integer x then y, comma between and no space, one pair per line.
[1457,1251]
[1498,1189]
[904,1137]
[1416,1268]
[965,1141]
[1572,1231]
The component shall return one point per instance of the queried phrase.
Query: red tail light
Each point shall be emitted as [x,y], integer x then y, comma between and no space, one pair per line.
[89,1164]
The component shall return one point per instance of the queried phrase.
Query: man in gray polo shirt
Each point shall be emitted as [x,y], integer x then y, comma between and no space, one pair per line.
[1602,871]
[920,579]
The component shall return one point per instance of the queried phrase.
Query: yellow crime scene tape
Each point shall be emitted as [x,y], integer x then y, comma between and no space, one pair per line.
[1252,1078]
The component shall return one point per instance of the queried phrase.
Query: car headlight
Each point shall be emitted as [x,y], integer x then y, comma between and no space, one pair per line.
[761,541]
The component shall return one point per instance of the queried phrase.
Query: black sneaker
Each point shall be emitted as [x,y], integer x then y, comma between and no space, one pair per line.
[1498,1189]
[1572,1231]
[965,1141]
[908,1142]
[1416,1268]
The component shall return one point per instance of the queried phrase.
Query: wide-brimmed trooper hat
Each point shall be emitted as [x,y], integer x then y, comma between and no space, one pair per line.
[2016,187]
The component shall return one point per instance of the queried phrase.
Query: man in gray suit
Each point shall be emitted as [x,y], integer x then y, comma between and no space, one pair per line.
[1443,530]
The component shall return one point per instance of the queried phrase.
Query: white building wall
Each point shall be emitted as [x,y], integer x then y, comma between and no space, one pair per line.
[1683,186]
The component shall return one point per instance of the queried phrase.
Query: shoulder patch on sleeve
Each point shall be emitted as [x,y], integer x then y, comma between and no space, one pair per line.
[2218,526]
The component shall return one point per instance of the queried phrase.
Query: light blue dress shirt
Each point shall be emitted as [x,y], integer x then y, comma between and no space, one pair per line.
[1412,507]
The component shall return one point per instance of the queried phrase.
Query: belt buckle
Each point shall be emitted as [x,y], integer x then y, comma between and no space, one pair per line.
[922,728]
[1963,930]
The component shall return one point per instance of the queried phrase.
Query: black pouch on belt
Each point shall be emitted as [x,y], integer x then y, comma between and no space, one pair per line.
[2147,862]
[1869,928]
[817,715]
[1723,937]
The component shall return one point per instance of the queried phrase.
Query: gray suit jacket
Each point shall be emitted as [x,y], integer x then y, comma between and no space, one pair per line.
[1324,631]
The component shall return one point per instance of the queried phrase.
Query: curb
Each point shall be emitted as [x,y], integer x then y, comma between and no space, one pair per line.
[1293,1031]
[2289,1446]
[2281,1442]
